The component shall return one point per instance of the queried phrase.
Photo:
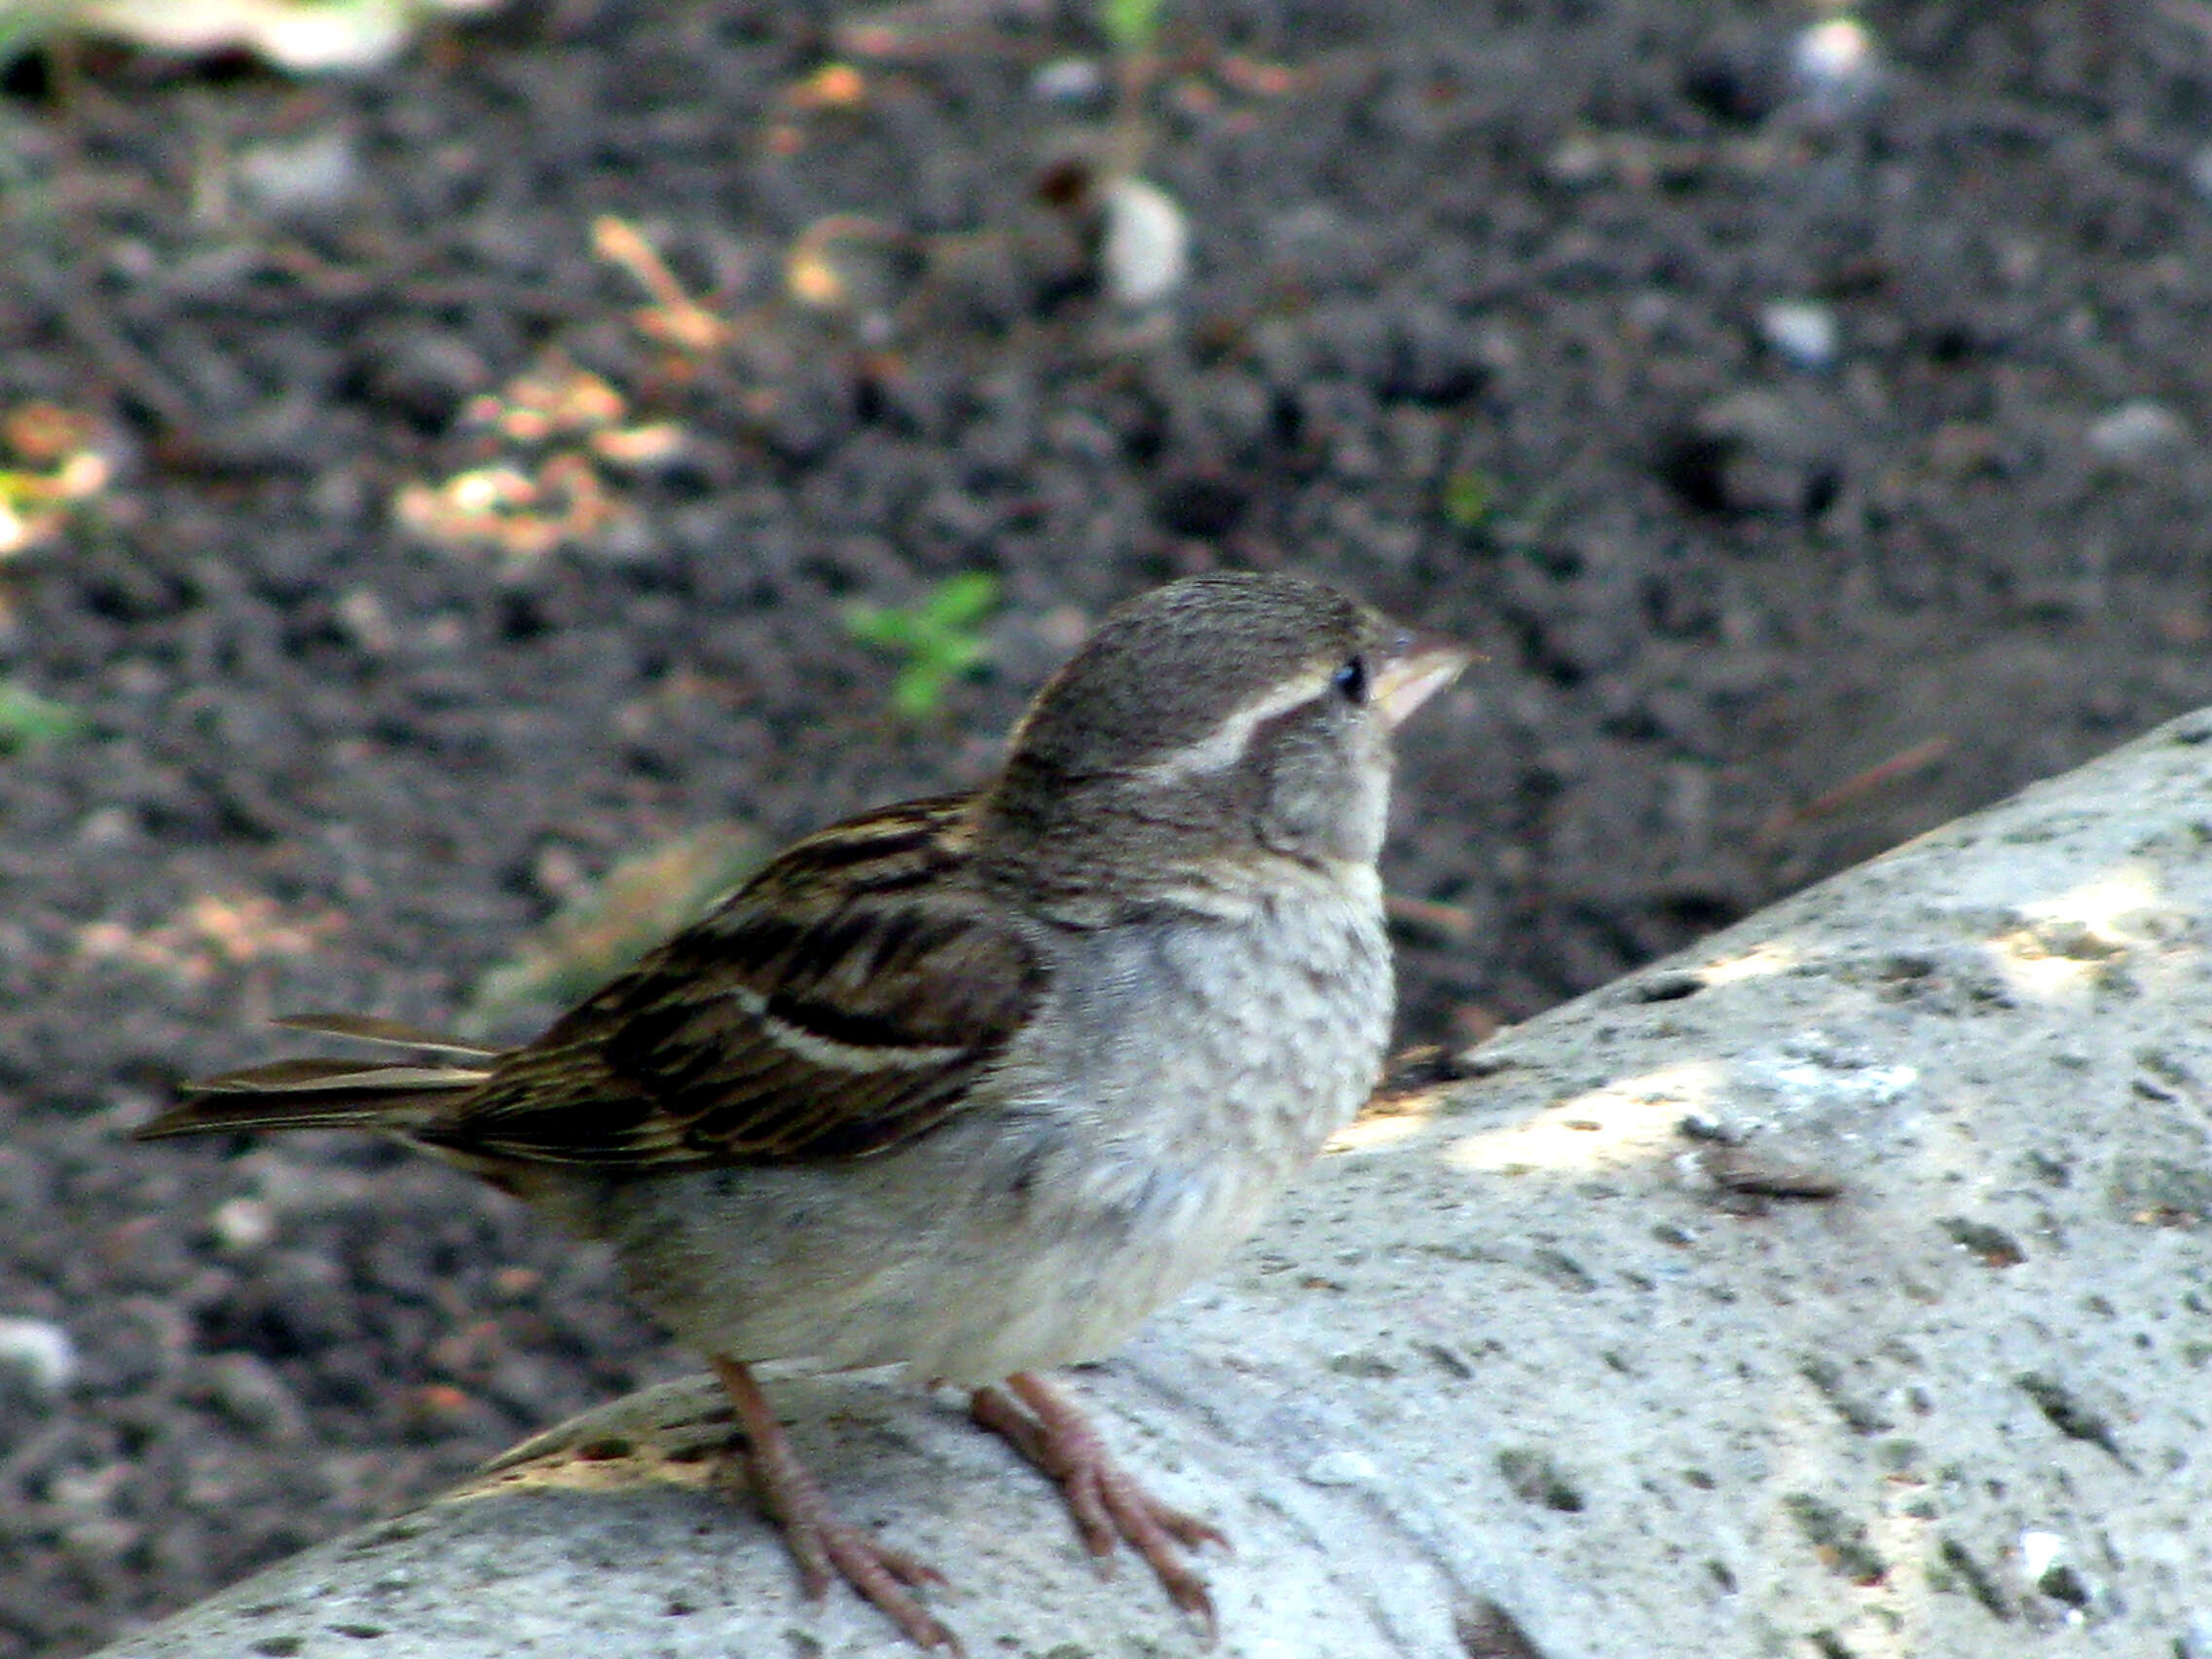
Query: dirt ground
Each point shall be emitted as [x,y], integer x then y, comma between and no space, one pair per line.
[1481,321]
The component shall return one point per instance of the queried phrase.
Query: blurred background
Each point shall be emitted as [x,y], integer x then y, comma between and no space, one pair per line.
[472,476]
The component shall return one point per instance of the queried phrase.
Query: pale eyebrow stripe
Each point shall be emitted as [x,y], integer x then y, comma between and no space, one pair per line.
[1224,746]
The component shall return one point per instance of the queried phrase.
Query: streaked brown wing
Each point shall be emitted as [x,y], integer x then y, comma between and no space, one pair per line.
[838,1005]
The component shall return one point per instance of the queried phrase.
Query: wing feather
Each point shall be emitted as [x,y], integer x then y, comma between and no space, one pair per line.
[807,1018]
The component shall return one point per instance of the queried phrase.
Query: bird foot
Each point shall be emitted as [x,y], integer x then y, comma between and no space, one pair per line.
[823,1546]
[1109,1505]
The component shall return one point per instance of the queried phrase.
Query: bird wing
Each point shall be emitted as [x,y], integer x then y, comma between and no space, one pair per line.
[839,1004]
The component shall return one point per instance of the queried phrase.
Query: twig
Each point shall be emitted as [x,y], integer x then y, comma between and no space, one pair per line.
[1852,790]
[676,317]
[1454,922]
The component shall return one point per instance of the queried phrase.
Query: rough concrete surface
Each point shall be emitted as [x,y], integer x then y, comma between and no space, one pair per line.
[1840,1287]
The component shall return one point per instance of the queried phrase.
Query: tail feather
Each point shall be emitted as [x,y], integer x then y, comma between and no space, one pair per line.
[368,1028]
[322,1094]
[317,1076]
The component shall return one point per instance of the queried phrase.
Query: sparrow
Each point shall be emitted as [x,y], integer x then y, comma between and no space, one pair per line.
[975,1083]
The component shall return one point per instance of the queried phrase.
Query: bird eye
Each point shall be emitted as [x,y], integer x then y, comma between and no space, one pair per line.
[1352,680]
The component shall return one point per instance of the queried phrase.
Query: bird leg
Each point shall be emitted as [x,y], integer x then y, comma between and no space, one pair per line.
[821,1544]
[1107,1502]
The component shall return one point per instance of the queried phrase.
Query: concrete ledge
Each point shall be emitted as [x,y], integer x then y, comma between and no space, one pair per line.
[1842,1287]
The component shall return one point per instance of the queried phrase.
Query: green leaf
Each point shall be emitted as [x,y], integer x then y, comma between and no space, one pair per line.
[940,638]
[28,720]
[1470,497]
[1130,25]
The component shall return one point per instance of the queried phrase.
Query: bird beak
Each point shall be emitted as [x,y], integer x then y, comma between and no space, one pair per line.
[1419,667]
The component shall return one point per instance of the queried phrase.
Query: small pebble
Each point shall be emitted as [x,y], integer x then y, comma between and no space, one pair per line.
[41,1351]
[1581,162]
[1803,332]
[1068,81]
[247,1392]
[244,1224]
[107,827]
[2136,429]
[1834,67]
[1341,1469]
[1147,253]
[303,180]
[1758,451]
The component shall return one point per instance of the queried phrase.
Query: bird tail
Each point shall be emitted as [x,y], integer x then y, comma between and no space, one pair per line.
[322,1094]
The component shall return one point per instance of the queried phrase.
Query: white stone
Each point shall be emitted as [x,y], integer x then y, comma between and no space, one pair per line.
[1146,256]
[1068,80]
[1804,332]
[1341,1469]
[2135,429]
[308,175]
[1835,66]
[244,1224]
[40,1351]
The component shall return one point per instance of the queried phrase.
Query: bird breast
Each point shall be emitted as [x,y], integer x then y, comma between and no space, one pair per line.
[1190,1071]
[1180,1042]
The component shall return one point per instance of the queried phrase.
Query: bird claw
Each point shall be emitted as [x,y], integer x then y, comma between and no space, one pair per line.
[1109,1505]
[823,1546]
